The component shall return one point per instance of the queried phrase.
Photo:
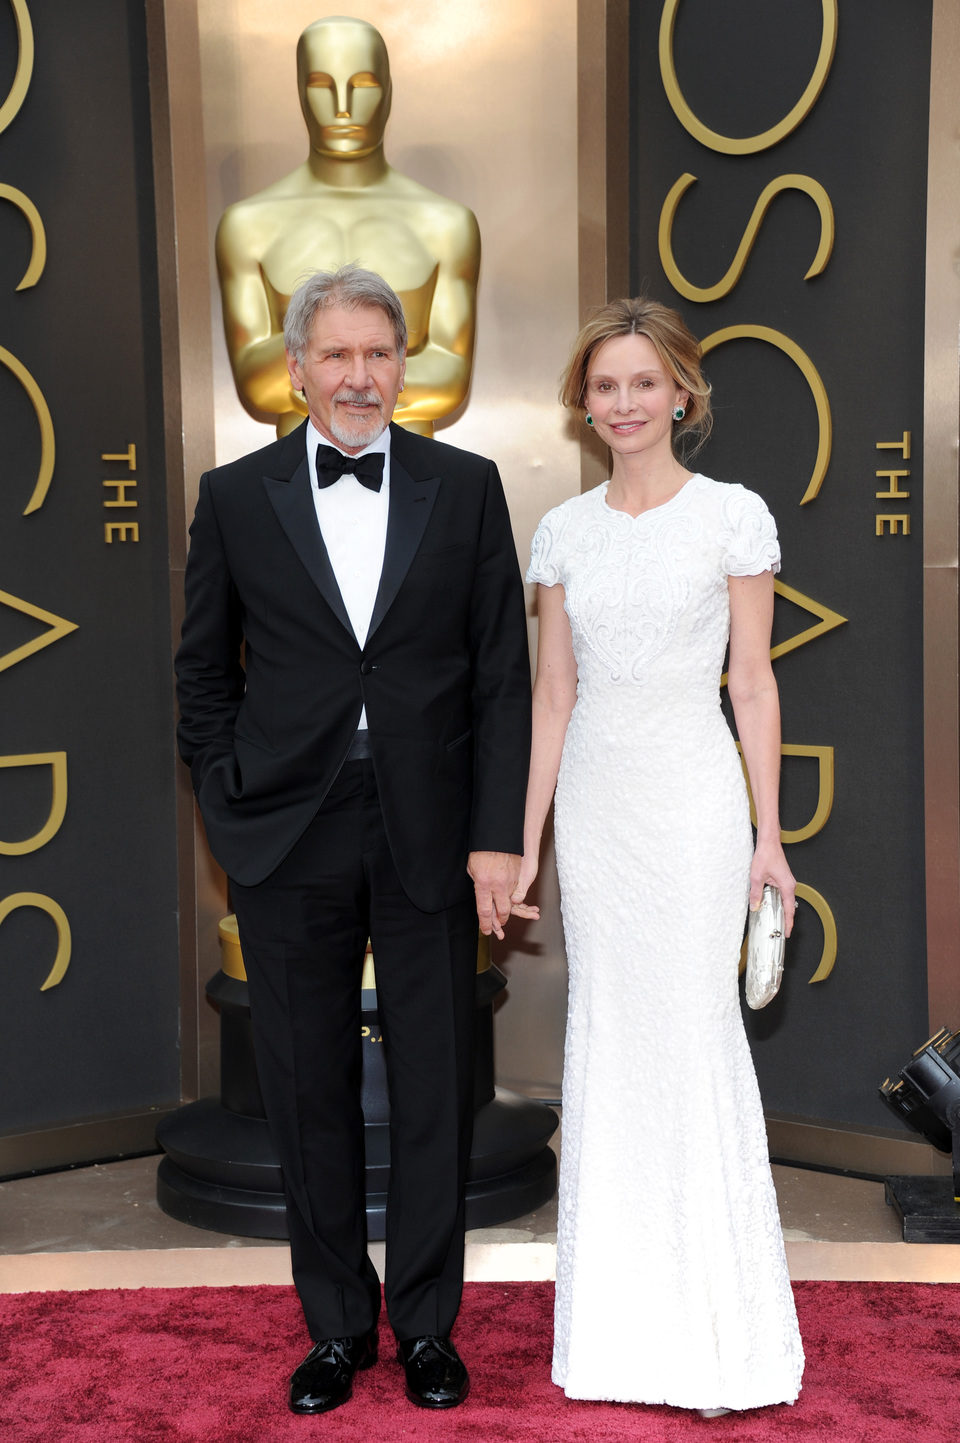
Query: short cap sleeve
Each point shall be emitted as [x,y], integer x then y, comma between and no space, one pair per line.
[748,534]
[545,550]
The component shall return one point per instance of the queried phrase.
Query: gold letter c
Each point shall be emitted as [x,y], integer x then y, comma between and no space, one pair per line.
[821,906]
[53,909]
[42,411]
[810,375]
[38,249]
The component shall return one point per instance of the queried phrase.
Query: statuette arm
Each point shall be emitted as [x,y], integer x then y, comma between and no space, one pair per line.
[254,334]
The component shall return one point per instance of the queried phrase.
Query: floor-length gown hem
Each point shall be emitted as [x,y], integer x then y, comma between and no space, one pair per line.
[737,1403]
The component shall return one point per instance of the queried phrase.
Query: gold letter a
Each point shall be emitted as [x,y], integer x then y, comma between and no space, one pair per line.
[56,627]
[828,619]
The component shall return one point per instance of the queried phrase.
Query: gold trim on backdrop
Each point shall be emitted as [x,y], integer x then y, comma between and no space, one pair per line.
[603,80]
[179,181]
[728,145]
[44,1149]
[874,1151]
[940,593]
[603,177]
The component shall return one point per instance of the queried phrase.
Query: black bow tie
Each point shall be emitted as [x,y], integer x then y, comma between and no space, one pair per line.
[332,464]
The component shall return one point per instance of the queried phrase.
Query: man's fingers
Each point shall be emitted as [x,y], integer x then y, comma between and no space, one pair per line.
[499,891]
[485,912]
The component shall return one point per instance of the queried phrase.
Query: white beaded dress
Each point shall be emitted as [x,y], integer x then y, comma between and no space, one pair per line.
[672,1285]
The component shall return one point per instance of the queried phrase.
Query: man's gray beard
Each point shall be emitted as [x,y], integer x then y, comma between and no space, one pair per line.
[357,433]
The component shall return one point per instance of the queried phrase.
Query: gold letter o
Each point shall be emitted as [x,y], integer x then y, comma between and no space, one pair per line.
[24,72]
[751,143]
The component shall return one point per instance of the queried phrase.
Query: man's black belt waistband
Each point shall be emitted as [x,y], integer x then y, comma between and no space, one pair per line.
[360,747]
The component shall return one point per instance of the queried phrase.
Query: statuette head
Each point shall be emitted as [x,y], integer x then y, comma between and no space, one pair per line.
[343,76]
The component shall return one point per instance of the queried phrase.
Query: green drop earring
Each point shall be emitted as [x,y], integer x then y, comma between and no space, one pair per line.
[589,419]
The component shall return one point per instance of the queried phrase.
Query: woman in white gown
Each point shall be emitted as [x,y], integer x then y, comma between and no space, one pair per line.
[672,1285]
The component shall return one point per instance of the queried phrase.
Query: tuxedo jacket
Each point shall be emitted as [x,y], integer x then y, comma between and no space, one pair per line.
[271,678]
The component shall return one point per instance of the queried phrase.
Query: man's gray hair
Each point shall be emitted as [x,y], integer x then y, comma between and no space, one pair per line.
[350,287]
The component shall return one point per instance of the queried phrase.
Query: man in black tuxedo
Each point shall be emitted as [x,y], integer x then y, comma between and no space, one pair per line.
[360,762]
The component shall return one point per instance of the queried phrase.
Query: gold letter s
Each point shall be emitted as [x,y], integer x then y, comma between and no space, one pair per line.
[810,187]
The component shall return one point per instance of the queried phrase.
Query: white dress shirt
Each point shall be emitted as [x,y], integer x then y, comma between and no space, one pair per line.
[353,524]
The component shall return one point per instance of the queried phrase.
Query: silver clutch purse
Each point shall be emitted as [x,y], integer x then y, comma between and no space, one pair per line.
[765,943]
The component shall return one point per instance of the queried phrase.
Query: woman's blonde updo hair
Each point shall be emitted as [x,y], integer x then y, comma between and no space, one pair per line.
[677,347]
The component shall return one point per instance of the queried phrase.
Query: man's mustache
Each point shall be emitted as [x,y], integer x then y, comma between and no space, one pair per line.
[359,398]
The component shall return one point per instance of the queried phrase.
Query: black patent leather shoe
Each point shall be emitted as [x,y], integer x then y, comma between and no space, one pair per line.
[436,1377]
[324,1379]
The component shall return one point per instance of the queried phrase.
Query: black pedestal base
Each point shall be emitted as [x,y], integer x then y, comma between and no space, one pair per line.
[221,1172]
[926,1208]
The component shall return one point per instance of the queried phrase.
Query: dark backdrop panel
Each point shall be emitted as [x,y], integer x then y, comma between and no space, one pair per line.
[821,1049]
[104,1039]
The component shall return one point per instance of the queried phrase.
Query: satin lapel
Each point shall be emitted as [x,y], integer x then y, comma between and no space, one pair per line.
[411,503]
[293,503]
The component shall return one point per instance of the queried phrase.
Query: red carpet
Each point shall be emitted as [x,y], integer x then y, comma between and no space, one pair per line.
[210,1364]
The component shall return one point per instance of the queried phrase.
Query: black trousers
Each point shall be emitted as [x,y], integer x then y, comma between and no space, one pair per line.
[303,933]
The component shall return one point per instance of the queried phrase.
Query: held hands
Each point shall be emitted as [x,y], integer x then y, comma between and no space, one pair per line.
[528,872]
[495,878]
[770,866]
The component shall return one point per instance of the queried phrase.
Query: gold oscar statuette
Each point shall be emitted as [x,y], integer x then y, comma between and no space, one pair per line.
[345,203]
